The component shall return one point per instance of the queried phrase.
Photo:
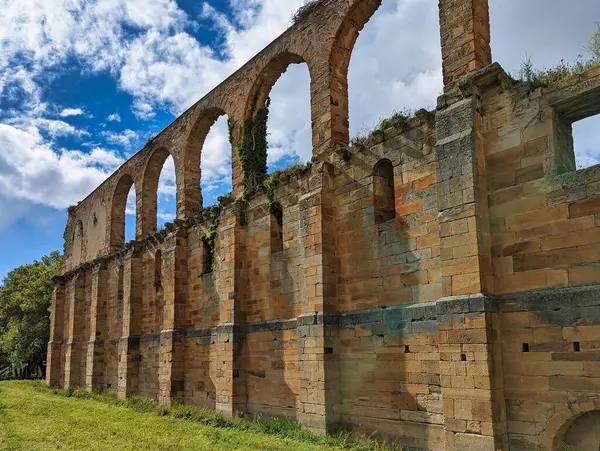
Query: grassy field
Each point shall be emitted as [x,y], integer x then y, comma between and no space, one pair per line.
[35,418]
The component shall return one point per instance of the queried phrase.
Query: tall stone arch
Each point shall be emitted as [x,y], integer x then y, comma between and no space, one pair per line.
[191,192]
[118,211]
[253,134]
[147,223]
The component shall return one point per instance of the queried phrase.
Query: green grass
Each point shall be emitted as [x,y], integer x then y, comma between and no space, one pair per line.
[35,418]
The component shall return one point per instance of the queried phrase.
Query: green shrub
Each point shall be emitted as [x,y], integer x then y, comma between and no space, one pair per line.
[594,45]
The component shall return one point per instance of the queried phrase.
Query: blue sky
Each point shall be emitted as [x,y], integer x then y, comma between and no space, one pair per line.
[84,84]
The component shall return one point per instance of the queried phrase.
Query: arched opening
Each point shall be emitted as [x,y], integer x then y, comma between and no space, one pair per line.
[159,287]
[276,134]
[166,198]
[276,229]
[120,282]
[207,255]
[209,171]
[384,201]
[369,85]
[159,196]
[158,271]
[582,434]
[289,132]
[215,163]
[131,216]
[123,213]
[78,253]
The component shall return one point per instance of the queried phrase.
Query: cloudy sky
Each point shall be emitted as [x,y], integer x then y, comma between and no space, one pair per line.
[85,83]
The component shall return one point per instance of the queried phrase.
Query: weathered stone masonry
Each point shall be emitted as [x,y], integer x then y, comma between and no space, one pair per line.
[436,284]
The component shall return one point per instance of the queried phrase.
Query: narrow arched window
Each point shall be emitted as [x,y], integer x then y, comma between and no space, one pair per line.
[158,271]
[384,201]
[120,282]
[276,228]
[207,255]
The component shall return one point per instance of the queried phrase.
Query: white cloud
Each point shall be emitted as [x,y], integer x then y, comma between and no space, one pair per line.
[174,71]
[165,217]
[71,112]
[53,128]
[127,138]
[146,47]
[31,170]
[167,186]
[216,156]
[40,35]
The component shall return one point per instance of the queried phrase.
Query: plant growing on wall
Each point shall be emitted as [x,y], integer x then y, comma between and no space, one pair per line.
[252,150]
[594,45]
[399,120]
[535,78]
[230,128]
[209,239]
[304,11]
[271,181]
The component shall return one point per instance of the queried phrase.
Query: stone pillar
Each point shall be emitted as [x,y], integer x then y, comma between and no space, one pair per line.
[95,366]
[230,382]
[465,244]
[57,326]
[318,362]
[171,375]
[129,344]
[471,382]
[468,346]
[73,352]
[465,37]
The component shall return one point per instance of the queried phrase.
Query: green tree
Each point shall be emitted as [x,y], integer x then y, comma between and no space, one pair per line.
[25,299]
[594,44]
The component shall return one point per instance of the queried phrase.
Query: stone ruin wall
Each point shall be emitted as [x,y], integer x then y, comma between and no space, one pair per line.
[435,285]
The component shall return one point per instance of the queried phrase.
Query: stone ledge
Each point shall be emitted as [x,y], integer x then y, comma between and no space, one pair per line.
[555,299]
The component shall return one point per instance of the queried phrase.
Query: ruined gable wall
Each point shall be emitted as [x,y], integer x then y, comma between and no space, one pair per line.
[467,321]
[544,228]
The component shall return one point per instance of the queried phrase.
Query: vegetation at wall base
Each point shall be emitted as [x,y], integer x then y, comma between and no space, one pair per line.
[33,417]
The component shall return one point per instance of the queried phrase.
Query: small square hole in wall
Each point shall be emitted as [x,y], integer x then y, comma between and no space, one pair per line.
[406,349]
[463,357]
[525,347]
[576,347]
[586,142]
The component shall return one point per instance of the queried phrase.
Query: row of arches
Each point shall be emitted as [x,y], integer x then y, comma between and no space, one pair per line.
[134,205]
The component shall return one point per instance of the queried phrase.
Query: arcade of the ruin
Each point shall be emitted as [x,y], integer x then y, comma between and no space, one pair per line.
[435,284]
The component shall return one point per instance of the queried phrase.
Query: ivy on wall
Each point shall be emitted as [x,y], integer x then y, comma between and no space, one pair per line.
[209,239]
[271,181]
[252,149]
